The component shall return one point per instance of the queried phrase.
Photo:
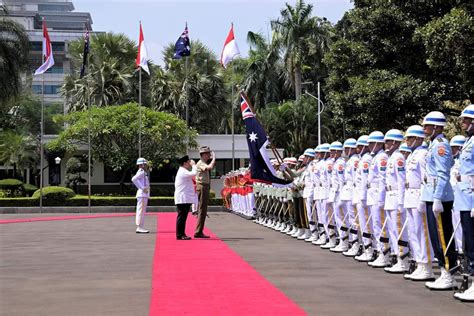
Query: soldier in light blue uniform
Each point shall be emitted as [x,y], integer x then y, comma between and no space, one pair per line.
[464,195]
[438,195]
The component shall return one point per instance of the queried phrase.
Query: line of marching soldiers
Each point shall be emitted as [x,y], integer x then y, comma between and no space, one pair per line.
[398,206]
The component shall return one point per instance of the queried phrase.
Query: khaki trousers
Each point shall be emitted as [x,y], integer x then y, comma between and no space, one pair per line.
[203,196]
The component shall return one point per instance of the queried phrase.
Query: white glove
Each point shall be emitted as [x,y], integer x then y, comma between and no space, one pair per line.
[472,213]
[400,207]
[437,206]
[283,167]
[422,207]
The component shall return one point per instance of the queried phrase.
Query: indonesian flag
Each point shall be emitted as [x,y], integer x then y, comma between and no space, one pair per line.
[47,52]
[230,50]
[142,56]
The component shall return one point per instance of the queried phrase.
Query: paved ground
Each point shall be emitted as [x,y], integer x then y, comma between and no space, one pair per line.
[101,267]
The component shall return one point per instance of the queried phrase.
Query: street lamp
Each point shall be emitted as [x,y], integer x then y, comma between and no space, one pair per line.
[319,112]
[57,160]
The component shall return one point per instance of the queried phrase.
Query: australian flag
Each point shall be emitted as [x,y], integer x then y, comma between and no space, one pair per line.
[182,47]
[85,54]
[257,140]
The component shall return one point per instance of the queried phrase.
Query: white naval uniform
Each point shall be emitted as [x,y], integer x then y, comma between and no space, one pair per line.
[360,196]
[376,195]
[394,198]
[308,194]
[325,201]
[142,182]
[319,193]
[417,225]
[454,176]
[337,182]
[347,192]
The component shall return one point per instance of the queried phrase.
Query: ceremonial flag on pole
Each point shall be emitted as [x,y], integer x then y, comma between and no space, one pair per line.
[47,52]
[85,54]
[182,47]
[257,141]
[142,56]
[230,50]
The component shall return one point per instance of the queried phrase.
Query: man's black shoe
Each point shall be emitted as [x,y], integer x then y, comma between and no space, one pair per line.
[183,238]
[200,236]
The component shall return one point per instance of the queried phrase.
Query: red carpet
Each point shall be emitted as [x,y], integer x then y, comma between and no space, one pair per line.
[63,218]
[206,277]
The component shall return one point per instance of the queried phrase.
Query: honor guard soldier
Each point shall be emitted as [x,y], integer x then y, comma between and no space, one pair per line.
[438,195]
[394,197]
[417,227]
[321,192]
[456,143]
[405,150]
[340,212]
[142,181]
[360,197]
[376,195]
[326,205]
[465,188]
[308,193]
[347,195]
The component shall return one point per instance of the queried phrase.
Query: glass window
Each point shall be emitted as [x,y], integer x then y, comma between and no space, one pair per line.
[223,166]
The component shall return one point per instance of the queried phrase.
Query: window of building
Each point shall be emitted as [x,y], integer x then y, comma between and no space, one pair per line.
[55,70]
[48,89]
[53,7]
[38,46]
[223,166]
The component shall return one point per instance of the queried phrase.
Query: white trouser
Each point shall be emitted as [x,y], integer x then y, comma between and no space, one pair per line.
[350,218]
[142,202]
[251,200]
[309,211]
[377,223]
[339,214]
[418,237]
[456,217]
[364,227]
[321,206]
[395,221]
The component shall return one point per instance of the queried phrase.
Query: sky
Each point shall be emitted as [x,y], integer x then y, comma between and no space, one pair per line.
[209,21]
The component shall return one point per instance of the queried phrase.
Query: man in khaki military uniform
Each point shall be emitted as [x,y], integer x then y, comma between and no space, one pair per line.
[203,185]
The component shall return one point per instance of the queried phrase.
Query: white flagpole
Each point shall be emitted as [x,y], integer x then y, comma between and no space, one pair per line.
[140,112]
[232,120]
[41,140]
[89,158]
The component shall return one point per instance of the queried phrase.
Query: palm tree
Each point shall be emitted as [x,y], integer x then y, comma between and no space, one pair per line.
[14,48]
[110,79]
[196,83]
[265,78]
[299,35]
[18,149]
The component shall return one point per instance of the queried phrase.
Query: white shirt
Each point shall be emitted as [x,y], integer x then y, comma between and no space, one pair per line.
[183,186]
[141,181]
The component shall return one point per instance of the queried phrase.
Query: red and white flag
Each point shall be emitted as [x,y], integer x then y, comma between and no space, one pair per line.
[47,52]
[230,50]
[142,56]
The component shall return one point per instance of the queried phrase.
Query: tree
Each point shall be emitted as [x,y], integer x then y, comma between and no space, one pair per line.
[448,42]
[299,34]
[19,150]
[293,125]
[74,167]
[14,49]
[194,82]
[114,135]
[110,79]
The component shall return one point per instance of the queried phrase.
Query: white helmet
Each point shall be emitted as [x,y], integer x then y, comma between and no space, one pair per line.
[335,146]
[393,134]
[141,161]
[435,118]
[375,137]
[468,111]
[324,148]
[362,140]
[404,147]
[350,143]
[457,140]
[309,152]
[415,131]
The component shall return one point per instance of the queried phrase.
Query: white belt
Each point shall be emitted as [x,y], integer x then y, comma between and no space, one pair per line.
[430,180]
[469,179]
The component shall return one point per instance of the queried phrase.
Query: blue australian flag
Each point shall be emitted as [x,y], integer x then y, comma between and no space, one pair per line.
[182,47]
[257,140]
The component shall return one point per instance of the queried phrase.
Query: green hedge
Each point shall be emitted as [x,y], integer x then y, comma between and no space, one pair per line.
[81,200]
[53,196]
[11,187]
[29,189]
